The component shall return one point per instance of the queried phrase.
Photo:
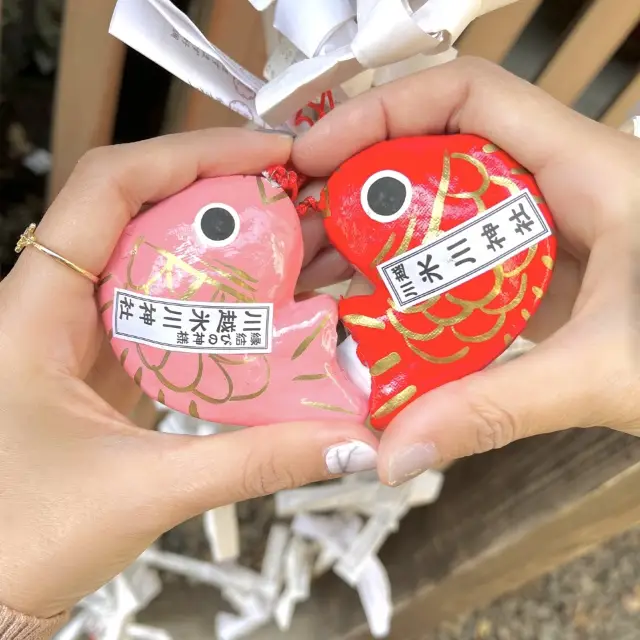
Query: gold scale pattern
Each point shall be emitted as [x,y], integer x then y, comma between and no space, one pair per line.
[227,283]
[467,307]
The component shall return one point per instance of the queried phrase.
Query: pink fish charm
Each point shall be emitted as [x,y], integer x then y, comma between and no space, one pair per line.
[198,302]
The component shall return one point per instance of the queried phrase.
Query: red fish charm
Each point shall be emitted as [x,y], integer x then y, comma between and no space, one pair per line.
[457,241]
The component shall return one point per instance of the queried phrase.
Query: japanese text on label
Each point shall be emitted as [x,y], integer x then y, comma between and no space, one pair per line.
[203,327]
[465,252]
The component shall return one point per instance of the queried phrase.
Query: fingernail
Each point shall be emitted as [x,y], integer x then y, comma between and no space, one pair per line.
[350,457]
[411,462]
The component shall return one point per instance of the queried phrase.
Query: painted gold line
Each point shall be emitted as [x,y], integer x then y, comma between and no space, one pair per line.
[451,320]
[240,272]
[520,171]
[537,292]
[438,203]
[383,252]
[310,376]
[479,304]
[439,359]
[161,396]
[419,308]
[547,261]
[304,345]
[384,364]
[259,392]
[525,314]
[138,377]
[490,148]
[263,193]
[105,279]
[123,356]
[322,405]
[193,409]
[106,305]
[514,303]
[411,335]
[525,263]
[363,321]
[407,236]
[483,337]
[508,339]
[484,174]
[508,184]
[396,402]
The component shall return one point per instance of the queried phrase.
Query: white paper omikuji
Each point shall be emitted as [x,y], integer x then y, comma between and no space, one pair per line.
[333,533]
[182,424]
[222,577]
[108,613]
[39,161]
[76,628]
[223,535]
[298,571]
[374,590]
[372,536]
[336,534]
[344,49]
[273,560]
[330,497]
[144,632]
[162,33]
[231,627]
[361,497]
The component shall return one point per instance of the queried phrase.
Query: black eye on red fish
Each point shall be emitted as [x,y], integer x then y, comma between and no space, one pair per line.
[386,195]
[217,224]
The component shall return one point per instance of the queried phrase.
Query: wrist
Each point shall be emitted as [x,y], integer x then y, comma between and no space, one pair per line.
[18,626]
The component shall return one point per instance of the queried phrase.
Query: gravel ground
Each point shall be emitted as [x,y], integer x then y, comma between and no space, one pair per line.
[596,597]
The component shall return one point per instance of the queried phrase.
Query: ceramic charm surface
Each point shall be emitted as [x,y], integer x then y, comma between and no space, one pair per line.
[457,241]
[198,302]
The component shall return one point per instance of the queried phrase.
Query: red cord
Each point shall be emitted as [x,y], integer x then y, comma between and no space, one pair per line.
[290,180]
[319,108]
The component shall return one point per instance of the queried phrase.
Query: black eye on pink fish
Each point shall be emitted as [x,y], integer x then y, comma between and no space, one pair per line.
[217,224]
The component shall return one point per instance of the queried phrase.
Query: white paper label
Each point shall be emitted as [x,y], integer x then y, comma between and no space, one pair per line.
[465,252]
[202,327]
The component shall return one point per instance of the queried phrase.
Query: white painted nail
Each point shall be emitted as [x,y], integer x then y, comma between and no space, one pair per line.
[350,457]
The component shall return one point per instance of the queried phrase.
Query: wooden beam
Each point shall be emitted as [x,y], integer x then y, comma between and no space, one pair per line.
[88,86]
[504,518]
[509,517]
[621,109]
[594,39]
[493,35]
[236,28]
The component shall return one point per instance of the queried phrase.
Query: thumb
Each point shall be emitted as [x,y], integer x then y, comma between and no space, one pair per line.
[545,390]
[195,474]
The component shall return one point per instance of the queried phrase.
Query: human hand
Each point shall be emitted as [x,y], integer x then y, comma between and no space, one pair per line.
[82,490]
[583,371]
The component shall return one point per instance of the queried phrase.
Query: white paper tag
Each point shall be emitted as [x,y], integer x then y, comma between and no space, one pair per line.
[201,327]
[165,35]
[477,246]
[38,162]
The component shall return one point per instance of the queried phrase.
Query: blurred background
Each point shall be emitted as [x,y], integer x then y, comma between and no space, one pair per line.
[525,515]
